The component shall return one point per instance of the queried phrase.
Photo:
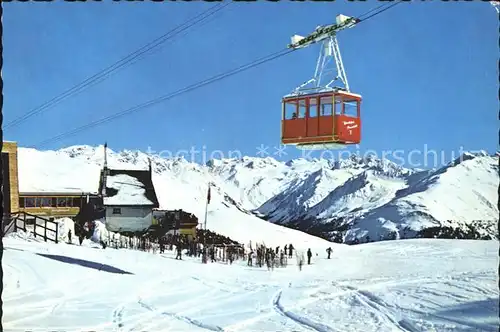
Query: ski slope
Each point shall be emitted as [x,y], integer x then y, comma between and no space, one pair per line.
[410,285]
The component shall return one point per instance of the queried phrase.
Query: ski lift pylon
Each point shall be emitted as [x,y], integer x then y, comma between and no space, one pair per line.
[317,115]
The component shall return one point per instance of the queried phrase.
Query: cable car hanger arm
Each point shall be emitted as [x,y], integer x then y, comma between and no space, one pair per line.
[324,32]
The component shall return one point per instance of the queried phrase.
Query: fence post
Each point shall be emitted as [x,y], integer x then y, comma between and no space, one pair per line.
[34,228]
[45,231]
[57,233]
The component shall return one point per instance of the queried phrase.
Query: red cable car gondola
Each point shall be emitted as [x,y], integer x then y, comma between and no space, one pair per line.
[318,116]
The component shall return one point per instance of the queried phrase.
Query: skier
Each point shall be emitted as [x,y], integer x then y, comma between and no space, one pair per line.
[290,250]
[273,259]
[249,263]
[268,259]
[204,258]
[329,252]
[212,254]
[162,245]
[300,260]
[179,252]
[69,237]
[309,255]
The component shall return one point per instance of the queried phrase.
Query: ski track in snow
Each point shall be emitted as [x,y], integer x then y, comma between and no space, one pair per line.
[186,319]
[341,294]
[380,308]
[301,320]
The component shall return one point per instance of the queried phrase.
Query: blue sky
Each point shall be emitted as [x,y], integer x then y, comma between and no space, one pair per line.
[427,72]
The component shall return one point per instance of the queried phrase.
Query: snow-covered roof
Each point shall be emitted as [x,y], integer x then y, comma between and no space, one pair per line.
[130,187]
[55,193]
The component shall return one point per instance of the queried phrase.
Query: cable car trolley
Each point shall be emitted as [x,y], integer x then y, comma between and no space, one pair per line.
[317,115]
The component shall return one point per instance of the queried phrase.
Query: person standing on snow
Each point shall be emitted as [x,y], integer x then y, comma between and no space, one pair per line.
[162,245]
[179,251]
[268,258]
[309,255]
[212,254]
[329,252]
[300,260]
[290,250]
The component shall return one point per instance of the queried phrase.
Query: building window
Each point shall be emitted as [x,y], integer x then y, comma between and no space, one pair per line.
[76,202]
[29,202]
[117,211]
[64,202]
[21,202]
[44,202]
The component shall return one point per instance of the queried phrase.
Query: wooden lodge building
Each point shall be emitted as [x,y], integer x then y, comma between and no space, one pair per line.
[42,203]
[176,222]
[128,198]
[53,204]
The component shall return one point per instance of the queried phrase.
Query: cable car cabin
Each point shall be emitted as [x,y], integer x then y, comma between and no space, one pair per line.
[321,119]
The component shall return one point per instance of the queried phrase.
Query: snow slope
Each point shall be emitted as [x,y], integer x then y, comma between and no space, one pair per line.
[373,196]
[410,285]
[178,183]
[463,191]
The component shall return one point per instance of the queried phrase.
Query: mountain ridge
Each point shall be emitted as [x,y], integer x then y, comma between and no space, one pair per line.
[373,197]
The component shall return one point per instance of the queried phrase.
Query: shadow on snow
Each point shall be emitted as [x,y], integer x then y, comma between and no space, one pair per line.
[480,315]
[85,263]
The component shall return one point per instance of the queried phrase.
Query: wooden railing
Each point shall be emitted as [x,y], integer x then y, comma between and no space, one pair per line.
[42,227]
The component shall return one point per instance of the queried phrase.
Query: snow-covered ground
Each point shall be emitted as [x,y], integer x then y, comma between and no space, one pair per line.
[410,285]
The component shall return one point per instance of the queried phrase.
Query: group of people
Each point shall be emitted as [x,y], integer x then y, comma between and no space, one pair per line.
[219,248]
[279,257]
[270,256]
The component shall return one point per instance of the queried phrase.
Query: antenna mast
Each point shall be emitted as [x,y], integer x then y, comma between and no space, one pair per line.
[104,172]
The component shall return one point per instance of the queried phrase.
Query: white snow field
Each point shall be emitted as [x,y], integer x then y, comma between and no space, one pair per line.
[407,285]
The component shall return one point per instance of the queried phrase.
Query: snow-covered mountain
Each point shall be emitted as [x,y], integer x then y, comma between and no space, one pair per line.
[358,196]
